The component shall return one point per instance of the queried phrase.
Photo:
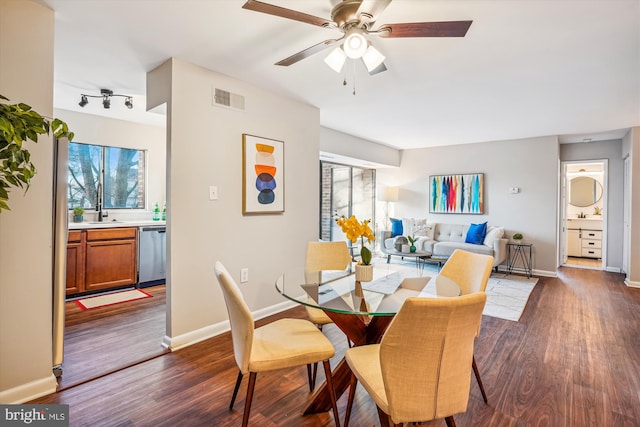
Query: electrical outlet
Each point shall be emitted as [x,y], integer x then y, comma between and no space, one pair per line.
[244,275]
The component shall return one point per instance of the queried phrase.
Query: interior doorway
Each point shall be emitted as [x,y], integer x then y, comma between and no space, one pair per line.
[583,223]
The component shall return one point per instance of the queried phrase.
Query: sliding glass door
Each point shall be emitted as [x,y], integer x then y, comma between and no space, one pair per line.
[345,190]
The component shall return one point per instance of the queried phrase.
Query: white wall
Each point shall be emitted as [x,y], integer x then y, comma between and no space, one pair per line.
[92,129]
[530,164]
[612,151]
[26,75]
[362,150]
[205,148]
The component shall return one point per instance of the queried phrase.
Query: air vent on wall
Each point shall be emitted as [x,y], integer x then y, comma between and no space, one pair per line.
[223,98]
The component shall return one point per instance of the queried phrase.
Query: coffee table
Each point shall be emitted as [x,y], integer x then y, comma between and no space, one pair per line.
[419,256]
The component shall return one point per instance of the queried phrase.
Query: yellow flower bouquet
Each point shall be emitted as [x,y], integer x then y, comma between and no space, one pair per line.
[355,230]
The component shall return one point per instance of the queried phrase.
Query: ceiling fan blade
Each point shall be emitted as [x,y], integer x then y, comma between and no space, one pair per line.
[379,69]
[307,52]
[369,10]
[425,29]
[270,9]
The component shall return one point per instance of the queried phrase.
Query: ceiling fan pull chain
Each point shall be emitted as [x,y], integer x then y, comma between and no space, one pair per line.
[354,77]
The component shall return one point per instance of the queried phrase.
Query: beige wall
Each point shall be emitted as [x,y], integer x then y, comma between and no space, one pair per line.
[529,164]
[26,75]
[631,148]
[204,147]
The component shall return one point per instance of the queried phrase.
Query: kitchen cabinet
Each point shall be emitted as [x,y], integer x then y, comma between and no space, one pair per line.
[101,259]
[75,261]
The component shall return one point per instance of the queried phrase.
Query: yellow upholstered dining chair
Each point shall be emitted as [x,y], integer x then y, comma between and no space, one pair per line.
[421,369]
[323,256]
[471,273]
[281,344]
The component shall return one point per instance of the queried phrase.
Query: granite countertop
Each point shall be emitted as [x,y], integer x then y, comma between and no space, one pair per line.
[112,224]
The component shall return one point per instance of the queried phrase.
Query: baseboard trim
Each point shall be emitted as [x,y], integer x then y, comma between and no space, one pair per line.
[210,331]
[29,391]
[631,284]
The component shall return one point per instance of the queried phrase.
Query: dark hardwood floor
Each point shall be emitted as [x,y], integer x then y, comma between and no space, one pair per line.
[571,360]
[105,339]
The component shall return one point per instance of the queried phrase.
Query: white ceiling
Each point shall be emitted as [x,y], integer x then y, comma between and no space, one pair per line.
[526,68]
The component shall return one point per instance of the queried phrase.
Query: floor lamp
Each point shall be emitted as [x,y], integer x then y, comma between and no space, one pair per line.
[388,195]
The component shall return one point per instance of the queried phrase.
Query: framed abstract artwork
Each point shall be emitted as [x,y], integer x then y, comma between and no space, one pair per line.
[262,175]
[461,194]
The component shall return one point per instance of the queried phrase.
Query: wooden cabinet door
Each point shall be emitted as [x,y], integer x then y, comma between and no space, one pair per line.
[75,262]
[110,263]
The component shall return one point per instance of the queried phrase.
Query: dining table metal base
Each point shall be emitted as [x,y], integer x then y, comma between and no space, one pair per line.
[360,330]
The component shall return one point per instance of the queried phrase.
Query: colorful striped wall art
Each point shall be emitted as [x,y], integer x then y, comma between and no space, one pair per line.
[462,194]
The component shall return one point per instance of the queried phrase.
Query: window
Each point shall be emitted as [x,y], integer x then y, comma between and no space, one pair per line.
[113,173]
[345,190]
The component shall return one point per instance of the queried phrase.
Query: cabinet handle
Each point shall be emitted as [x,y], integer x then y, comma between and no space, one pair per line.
[591,243]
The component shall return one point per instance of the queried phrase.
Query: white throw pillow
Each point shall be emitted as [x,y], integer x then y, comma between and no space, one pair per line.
[411,226]
[427,231]
[493,233]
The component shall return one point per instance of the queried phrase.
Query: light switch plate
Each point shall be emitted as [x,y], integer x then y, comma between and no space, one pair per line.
[244,275]
[213,192]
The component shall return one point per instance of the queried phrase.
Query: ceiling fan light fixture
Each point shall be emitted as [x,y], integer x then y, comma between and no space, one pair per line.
[372,58]
[355,44]
[336,59]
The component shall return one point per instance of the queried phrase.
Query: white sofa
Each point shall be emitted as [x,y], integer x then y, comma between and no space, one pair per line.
[440,240]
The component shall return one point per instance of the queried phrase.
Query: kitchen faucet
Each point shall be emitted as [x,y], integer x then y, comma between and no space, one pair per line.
[99,202]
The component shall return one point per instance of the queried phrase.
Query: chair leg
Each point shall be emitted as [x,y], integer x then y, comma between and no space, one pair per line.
[352,392]
[247,403]
[450,422]
[477,372]
[385,419]
[332,393]
[235,390]
[311,375]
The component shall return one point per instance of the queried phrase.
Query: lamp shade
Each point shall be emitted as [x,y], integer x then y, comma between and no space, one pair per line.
[389,194]
[355,45]
[372,58]
[336,59]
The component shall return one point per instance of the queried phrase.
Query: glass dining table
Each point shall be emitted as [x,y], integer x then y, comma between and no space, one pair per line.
[362,310]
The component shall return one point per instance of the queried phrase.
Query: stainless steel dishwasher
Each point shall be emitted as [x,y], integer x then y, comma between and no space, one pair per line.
[152,247]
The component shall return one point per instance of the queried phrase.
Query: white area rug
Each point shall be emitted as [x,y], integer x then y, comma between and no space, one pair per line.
[507,296]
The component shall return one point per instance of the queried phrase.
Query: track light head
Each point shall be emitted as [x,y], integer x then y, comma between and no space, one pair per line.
[129,102]
[106,101]
[83,101]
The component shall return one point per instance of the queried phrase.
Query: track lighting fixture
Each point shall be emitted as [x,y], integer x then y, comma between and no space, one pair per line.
[106,95]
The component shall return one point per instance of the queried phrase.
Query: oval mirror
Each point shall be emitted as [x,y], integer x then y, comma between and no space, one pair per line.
[585,191]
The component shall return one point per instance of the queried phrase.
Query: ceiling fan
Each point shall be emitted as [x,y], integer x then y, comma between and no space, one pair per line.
[356,18]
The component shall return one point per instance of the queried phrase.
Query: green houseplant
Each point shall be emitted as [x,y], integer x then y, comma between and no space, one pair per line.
[412,240]
[19,123]
[517,237]
[77,214]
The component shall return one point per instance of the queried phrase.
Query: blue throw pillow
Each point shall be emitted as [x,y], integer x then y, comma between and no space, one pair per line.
[396,227]
[476,233]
